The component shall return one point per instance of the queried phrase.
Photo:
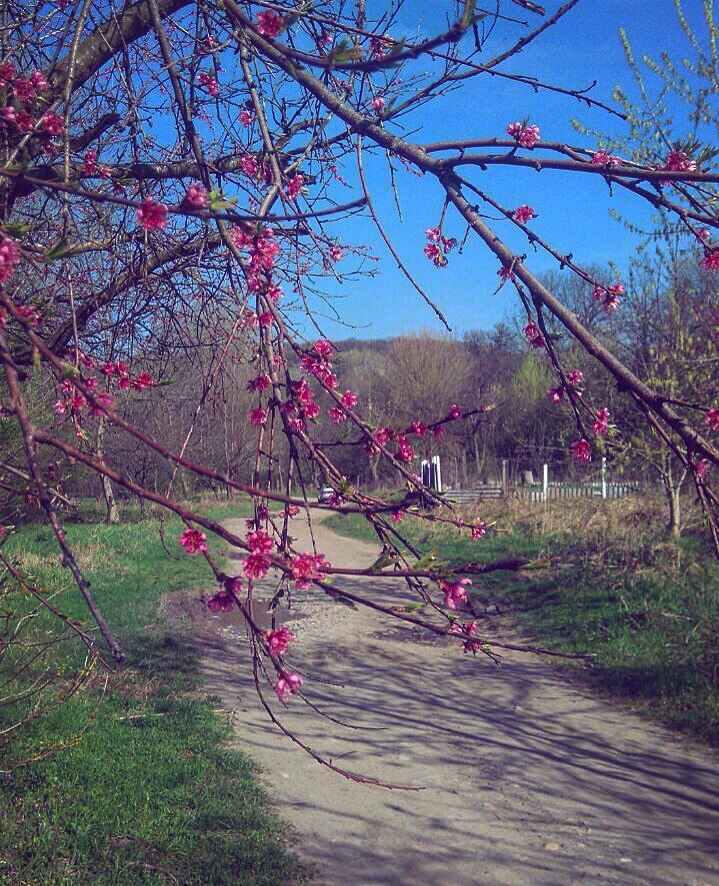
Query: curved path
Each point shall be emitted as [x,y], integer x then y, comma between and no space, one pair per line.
[527,779]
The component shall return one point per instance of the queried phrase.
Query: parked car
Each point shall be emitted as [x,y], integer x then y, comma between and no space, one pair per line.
[325,493]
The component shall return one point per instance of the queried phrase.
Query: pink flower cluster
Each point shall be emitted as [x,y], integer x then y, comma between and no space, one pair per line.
[582,451]
[263,249]
[526,134]
[257,564]
[278,641]
[479,529]
[9,257]
[306,568]
[455,593]
[209,82]
[288,684]
[712,419]
[534,336]
[294,186]
[26,90]
[604,158]
[196,198]
[467,631]
[193,541]
[152,216]
[438,246]
[523,214]
[601,422]
[609,295]
[574,378]
[269,23]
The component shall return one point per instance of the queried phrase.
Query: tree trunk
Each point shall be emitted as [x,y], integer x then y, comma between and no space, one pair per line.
[112,514]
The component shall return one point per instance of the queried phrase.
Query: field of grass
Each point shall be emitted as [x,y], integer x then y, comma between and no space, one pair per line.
[151,791]
[646,607]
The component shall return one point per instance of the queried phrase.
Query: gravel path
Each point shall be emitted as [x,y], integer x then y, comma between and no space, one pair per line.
[527,779]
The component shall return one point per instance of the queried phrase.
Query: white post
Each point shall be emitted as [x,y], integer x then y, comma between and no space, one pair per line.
[545,482]
[505,481]
[436,463]
[604,476]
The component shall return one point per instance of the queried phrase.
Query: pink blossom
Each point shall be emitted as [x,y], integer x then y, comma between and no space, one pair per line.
[336,414]
[257,416]
[307,567]
[438,431]
[278,641]
[209,82]
[25,122]
[249,166]
[479,529]
[575,377]
[261,383]
[294,186]
[604,158]
[533,335]
[221,602]
[609,296]
[582,451]
[455,594]
[378,104]
[523,214]
[702,468]
[288,684]
[142,381]
[418,428]
[9,257]
[350,399]
[404,449]
[103,402]
[556,395]
[53,124]
[7,115]
[269,24]
[526,134]
[323,347]
[712,419]
[196,198]
[193,541]
[601,422]
[7,72]
[398,516]
[435,255]
[152,216]
[256,565]
[455,413]
[678,161]
[246,117]
[711,260]
[259,542]
[37,78]
[24,89]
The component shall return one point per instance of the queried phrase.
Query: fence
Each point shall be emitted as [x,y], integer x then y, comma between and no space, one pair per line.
[546,490]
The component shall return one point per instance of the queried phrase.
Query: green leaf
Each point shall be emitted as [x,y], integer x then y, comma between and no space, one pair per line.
[58,250]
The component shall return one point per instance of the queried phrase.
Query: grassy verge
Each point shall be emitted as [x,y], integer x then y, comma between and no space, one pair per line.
[645,606]
[151,792]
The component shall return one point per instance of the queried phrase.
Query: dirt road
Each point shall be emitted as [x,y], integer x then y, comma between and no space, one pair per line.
[527,779]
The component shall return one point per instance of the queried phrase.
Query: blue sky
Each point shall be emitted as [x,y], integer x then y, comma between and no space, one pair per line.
[573,211]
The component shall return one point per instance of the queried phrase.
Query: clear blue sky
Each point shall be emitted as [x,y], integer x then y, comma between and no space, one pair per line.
[573,210]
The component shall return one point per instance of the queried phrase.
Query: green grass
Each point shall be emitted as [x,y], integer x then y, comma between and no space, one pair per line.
[151,792]
[645,607]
